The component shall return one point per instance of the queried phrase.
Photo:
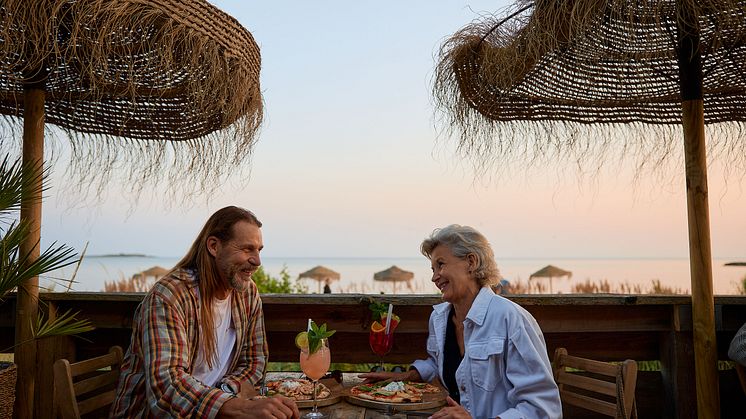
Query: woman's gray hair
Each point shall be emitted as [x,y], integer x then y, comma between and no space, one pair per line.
[463,241]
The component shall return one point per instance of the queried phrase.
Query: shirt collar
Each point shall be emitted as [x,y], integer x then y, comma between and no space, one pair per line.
[478,310]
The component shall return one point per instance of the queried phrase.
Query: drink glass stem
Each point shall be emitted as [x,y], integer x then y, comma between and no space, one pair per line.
[315,409]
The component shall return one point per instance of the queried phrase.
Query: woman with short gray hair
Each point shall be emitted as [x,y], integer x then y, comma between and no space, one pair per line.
[487,351]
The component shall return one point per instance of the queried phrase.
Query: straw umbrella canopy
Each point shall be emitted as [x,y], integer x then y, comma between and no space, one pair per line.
[155,272]
[155,88]
[566,78]
[394,274]
[320,274]
[551,272]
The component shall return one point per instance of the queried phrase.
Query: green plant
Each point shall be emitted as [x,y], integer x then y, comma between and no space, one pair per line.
[16,267]
[378,310]
[282,285]
[316,335]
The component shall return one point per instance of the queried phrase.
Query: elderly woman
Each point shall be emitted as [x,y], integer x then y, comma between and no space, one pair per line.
[488,352]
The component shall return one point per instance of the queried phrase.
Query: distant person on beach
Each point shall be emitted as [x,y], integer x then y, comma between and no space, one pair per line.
[327,287]
[488,352]
[737,349]
[501,287]
[198,336]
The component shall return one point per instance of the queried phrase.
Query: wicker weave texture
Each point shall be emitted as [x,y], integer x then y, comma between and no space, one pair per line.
[589,61]
[148,92]
[157,69]
[7,389]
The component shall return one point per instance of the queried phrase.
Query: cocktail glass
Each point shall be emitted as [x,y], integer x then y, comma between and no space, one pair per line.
[381,343]
[315,366]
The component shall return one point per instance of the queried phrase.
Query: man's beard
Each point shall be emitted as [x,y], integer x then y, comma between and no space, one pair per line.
[235,282]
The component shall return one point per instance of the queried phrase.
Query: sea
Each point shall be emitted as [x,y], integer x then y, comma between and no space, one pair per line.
[357,273]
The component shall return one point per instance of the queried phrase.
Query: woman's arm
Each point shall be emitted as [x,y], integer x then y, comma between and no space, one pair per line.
[534,392]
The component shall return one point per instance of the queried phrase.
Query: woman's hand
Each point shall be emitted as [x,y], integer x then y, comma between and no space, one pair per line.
[453,410]
[372,377]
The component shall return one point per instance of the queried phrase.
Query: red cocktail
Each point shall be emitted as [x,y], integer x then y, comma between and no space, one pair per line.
[380,341]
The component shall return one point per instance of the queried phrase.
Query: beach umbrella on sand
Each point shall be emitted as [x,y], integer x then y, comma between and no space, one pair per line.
[551,272]
[573,79]
[394,275]
[320,274]
[164,88]
[154,272]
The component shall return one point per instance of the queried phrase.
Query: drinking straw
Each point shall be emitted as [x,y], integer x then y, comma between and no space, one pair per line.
[388,318]
[309,325]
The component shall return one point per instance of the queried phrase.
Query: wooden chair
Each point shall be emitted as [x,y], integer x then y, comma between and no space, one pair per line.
[86,386]
[602,387]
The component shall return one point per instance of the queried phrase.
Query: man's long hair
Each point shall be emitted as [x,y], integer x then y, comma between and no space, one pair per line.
[199,259]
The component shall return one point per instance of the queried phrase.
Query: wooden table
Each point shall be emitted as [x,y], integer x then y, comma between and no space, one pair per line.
[345,410]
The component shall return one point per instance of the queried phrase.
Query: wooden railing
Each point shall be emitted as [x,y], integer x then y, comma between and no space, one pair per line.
[604,327]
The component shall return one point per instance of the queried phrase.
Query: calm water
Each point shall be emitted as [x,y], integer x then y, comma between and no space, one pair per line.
[357,273]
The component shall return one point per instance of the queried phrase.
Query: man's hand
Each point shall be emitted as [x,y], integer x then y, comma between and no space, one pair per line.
[452,411]
[274,407]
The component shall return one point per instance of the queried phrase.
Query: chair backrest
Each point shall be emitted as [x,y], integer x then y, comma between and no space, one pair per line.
[601,387]
[86,386]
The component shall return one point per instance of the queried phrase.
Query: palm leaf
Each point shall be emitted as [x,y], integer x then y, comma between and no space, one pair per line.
[64,325]
[16,268]
[19,182]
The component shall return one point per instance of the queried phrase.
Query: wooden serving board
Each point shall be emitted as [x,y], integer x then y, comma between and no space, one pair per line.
[429,401]
[336,396]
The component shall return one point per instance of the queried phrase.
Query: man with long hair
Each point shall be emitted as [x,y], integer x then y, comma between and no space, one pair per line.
[198,336]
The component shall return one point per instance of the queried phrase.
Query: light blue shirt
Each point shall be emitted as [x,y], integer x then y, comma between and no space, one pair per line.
[506,370]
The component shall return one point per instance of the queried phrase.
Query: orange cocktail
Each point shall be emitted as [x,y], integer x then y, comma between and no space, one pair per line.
[316,364]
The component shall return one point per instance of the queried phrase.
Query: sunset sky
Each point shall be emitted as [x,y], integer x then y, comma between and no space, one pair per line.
[349,162]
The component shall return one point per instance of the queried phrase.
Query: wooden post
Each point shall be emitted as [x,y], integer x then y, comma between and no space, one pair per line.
[700,256]
[677,358]
[28,304]
[700,262]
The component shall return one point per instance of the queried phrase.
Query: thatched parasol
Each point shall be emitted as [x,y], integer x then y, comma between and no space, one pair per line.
[155,272]
[551,272]
[320,274]
[394,274]
[587,76]
[157,88]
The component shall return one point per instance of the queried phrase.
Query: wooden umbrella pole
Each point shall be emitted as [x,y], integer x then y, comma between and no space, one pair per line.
[700,262]
[27,302]
[700,255]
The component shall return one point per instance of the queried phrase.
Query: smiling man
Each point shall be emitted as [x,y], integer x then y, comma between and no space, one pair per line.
[198,336]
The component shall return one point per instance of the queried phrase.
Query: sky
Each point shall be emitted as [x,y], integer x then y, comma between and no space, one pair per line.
[350,162]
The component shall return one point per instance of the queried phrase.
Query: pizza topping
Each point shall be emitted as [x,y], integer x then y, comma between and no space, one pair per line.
[394,392]
[394,386]
[290,385]
[297,389]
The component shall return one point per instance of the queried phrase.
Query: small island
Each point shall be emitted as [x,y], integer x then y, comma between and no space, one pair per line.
[735,264]
[122,255]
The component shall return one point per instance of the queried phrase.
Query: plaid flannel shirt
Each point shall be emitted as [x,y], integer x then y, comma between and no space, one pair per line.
[156,378]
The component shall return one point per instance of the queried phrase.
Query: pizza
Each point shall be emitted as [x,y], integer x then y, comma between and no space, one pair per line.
[297,389]
[393,392]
